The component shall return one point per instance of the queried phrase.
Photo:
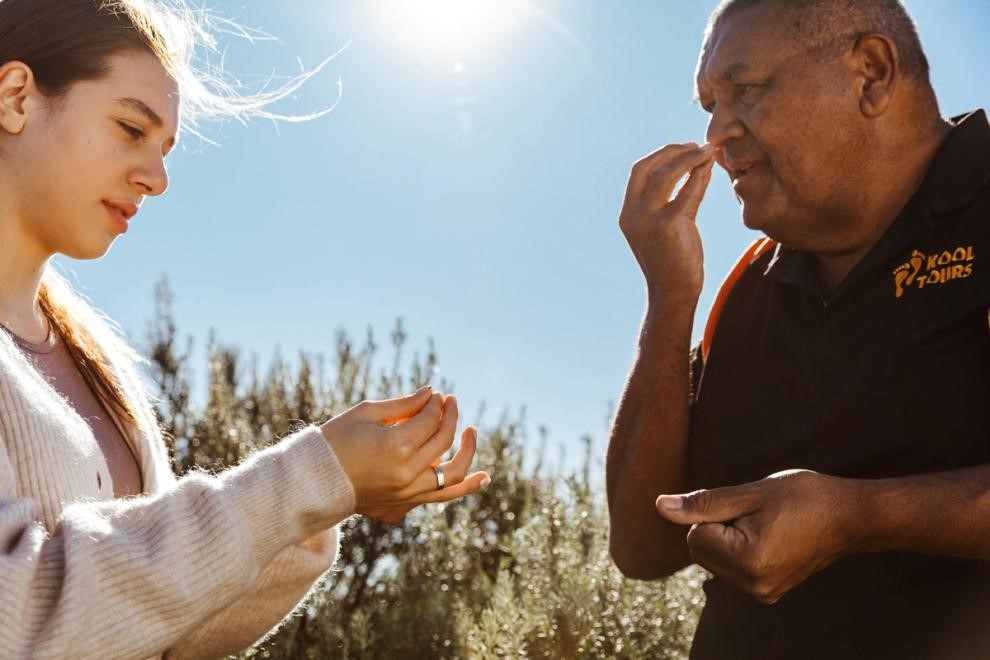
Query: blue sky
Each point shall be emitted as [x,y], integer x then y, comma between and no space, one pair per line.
[468,181]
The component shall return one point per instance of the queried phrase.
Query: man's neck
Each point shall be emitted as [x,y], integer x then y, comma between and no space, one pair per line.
[913,163]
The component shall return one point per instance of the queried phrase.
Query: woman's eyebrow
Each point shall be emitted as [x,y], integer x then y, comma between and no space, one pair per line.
[142,107]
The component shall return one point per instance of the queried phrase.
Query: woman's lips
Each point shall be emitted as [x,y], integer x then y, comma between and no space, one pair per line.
[117,216]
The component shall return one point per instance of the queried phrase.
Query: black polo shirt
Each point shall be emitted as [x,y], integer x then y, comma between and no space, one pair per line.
[889,375]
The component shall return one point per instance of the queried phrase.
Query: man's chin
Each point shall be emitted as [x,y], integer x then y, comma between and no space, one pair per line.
[770,219]
[752,217]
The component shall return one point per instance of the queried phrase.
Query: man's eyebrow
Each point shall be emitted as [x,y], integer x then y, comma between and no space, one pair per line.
[729,75]
[732,72]
[142,107]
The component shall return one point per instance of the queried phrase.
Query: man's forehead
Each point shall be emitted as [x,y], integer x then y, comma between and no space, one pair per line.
[740,43]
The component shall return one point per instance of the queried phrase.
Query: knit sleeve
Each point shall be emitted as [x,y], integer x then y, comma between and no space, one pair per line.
[131,578]
[283,585]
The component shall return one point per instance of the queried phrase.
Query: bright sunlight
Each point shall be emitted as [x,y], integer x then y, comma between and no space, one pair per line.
[450,29]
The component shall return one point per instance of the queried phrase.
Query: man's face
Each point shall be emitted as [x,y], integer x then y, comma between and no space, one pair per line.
[784,116]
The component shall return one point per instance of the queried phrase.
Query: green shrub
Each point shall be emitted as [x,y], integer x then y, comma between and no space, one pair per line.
[519,570]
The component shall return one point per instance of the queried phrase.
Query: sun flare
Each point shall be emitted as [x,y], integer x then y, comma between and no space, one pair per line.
[449,28]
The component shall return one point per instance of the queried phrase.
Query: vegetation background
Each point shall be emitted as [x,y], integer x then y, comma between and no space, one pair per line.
[520,570]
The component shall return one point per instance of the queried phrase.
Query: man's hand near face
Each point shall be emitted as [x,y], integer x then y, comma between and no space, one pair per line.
[647,451]
[661,230]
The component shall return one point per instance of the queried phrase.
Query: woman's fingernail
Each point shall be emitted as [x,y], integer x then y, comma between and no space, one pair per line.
[485,481]
[424,388]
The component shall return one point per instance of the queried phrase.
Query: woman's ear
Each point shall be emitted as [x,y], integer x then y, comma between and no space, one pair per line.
[16,86]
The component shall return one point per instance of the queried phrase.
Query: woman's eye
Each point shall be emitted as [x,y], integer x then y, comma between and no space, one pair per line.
[133,131]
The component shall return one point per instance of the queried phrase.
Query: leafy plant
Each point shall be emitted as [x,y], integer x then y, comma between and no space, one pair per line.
[519,570]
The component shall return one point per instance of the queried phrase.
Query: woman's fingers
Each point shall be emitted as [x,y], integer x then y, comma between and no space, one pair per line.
[435,447]
[390,411]
[387,514]
[453,470]
[424,424]
[470,485]
[457,467]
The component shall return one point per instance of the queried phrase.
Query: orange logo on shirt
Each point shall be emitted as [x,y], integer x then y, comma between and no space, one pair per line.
[925,270]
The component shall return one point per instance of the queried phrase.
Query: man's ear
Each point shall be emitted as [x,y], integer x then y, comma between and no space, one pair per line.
[876,60]
[16,86]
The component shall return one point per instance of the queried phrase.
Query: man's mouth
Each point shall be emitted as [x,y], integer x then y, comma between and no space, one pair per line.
[739,171]
[744,173]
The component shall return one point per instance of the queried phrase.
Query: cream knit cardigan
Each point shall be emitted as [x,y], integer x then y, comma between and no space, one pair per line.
[199,567]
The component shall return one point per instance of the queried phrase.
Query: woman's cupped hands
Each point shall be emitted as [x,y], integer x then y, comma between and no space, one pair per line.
[391,451]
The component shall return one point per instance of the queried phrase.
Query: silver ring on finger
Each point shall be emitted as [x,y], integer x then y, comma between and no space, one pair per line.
[441,479]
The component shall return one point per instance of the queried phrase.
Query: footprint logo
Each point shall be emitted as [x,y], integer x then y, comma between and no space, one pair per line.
[905,273]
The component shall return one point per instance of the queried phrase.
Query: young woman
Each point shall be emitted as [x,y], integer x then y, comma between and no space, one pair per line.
[103,554]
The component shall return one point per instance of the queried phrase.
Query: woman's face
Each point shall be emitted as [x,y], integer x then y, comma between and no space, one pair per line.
[81,166]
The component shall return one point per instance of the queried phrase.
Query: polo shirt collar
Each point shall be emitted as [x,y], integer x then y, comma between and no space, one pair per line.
[962,167]
[958,174]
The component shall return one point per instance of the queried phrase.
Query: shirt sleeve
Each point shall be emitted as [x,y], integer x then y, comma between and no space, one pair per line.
[696,369]
[131,578]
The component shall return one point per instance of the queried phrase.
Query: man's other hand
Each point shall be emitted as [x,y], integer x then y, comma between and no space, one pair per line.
[768,536]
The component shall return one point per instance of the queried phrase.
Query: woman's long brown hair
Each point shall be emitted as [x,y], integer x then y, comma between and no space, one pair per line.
[88,356]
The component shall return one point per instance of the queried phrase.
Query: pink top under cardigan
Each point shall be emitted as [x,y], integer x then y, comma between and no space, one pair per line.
[55,363]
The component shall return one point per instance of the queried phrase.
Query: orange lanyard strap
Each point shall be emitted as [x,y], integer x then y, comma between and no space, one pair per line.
[754,252]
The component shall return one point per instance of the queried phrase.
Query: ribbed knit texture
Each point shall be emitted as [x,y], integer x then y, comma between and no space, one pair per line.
[196,568]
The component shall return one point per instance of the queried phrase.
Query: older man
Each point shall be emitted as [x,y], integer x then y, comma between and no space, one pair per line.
[837,414]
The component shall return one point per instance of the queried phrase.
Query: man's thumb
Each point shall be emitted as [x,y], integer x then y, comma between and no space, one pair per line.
[705,506]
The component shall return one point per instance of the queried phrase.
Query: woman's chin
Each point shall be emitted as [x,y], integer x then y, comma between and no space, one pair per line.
[93,250]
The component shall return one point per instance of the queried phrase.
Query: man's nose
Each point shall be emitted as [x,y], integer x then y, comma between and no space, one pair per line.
[724,125]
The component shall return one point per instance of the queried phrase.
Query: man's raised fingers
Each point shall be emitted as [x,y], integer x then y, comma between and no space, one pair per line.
[664,177]
[639,177]
[693,191]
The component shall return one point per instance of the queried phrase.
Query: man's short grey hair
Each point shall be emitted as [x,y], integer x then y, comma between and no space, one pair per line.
[810,19]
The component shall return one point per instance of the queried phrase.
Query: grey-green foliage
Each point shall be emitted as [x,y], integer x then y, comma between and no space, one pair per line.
[519,570]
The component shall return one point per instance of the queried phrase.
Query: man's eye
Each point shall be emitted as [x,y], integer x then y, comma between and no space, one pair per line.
[745,90]
[133,131]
